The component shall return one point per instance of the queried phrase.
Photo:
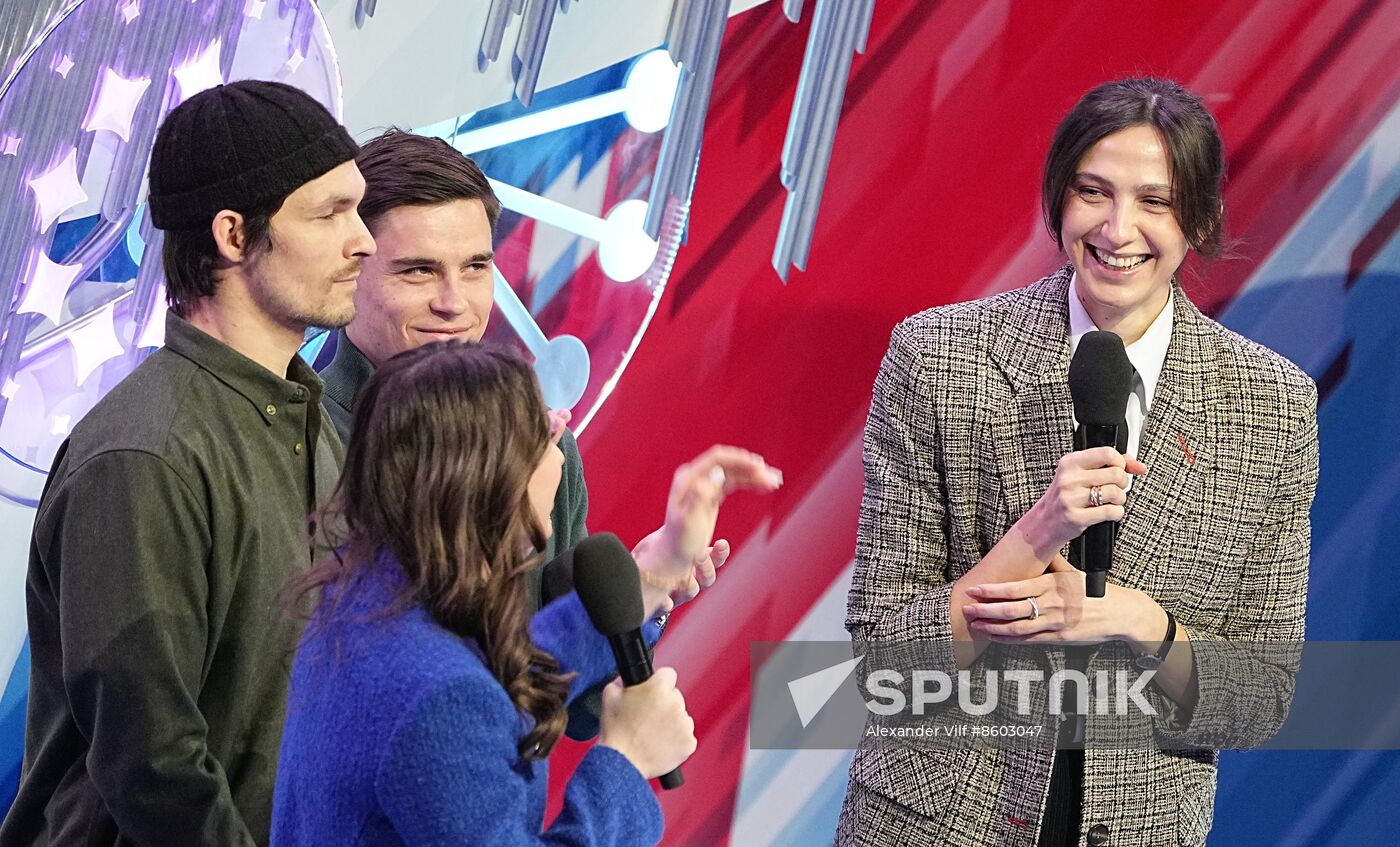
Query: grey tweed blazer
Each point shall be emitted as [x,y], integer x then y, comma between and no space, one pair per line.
[971,411]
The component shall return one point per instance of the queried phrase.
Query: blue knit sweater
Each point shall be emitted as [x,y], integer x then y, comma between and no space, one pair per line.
[398,734]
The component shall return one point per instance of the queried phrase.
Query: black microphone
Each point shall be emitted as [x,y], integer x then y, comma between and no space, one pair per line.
[1100,380]
[610,587]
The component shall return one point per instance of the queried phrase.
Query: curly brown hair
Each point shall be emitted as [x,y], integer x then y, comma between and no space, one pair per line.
[445,439]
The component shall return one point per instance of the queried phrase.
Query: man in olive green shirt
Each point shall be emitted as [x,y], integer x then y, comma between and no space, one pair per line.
[176,511]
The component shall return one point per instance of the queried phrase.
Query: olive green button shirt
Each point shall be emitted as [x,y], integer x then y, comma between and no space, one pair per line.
[174,515]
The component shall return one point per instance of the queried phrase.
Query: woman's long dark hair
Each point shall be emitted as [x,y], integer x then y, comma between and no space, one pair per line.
[446,437]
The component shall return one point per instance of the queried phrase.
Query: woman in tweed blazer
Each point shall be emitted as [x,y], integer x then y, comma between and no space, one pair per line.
[972,489]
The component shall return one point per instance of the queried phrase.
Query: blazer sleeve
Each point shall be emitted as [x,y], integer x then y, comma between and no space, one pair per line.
[900,588]
[1246,672]
[452,775]
[563,630]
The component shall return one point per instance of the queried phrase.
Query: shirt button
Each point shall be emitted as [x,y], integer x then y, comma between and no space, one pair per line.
[301,393]
[1097,836]
[271,409]
[298,448]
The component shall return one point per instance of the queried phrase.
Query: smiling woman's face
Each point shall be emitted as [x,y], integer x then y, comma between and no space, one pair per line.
[429,281]
[1119,228]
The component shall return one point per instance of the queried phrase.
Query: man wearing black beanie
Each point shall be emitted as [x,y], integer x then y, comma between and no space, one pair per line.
[176,510]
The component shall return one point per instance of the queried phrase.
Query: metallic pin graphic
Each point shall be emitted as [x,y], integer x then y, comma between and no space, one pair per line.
[839,30]
[561,362]
[697,27]
[530,42]
[364,9]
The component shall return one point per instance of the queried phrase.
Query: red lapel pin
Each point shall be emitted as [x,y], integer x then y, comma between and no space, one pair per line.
[1186,448]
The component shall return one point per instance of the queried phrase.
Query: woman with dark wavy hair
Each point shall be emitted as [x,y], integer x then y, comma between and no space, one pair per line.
[424,699]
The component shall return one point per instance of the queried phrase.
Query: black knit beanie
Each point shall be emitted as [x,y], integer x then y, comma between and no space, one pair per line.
[240,146]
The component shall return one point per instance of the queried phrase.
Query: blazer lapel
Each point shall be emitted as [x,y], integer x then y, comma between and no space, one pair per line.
[1033,429]
[1175,446]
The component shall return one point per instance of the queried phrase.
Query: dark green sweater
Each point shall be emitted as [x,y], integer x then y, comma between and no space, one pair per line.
[173,517]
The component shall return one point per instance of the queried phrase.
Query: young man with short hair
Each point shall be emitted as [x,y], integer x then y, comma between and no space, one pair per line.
[433,214]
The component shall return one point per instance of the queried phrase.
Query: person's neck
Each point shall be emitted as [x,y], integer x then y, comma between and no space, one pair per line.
[1129,325]
[231,317]
[350,333]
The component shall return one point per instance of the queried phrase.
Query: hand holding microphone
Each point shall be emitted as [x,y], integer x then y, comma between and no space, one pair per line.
[1081,507]
[1100,382]
[1067,508]
[648,724]
[645,719]
[1085,499]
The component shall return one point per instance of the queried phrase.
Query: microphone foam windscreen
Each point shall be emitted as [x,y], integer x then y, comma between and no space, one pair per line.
[1100,379]
[607,581]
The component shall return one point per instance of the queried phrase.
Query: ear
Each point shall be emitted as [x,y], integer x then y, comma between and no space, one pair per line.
[227,228]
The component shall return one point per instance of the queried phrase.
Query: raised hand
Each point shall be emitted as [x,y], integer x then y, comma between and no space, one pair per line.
[678,558]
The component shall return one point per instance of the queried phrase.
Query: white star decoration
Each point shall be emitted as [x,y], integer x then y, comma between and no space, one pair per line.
[9,389]
[62,425]
[131,11]
[57,190]
[294,61]
[64,65]
[48,287]
[117,99]
[94,343]
[153,333]
[255,9]
[200,73]
[10,146]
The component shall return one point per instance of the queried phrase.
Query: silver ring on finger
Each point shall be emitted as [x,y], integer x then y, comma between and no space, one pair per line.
[1095,497]
[1035,609]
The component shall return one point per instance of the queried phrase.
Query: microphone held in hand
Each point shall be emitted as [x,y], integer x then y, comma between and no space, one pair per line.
[610,588]
[1100,380]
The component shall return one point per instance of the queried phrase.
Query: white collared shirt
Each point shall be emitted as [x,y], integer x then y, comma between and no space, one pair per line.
[1147,356]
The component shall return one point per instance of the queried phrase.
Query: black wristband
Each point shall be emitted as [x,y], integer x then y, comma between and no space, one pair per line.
[1152,661]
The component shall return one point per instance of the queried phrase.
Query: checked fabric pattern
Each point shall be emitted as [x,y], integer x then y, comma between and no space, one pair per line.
[971,411]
